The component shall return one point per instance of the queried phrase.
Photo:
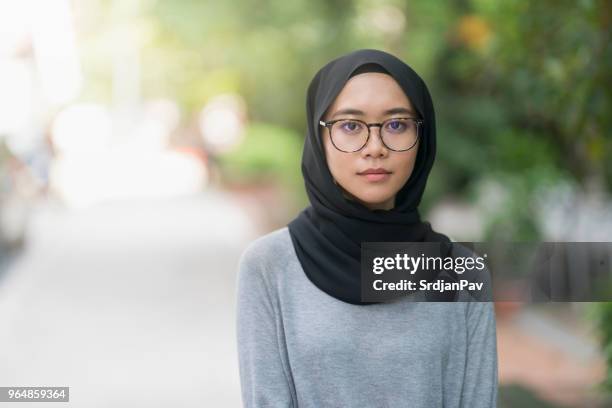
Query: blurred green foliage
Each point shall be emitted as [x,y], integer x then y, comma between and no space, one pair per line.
[268,152]
[521,88]
[517,396]
[602,314]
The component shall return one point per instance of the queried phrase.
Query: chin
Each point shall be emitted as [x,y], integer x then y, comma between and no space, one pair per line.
[374,194]
[373,199]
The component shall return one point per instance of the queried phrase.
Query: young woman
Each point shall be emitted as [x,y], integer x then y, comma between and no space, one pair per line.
[305,338]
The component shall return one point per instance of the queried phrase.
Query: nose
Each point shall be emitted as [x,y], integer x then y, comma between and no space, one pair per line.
[374,147]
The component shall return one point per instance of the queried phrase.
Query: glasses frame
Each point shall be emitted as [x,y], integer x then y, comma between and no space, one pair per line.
[329,124]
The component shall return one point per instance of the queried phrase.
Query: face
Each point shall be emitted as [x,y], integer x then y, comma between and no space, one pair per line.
[369,97]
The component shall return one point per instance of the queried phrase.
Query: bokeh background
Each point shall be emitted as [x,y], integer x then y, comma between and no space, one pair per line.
[144,143]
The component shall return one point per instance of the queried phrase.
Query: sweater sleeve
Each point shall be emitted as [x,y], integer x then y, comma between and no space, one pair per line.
[481,378]
[263,376]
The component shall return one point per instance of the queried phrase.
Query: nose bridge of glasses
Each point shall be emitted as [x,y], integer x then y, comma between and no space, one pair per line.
[371,125]
[369,142]
[380,128]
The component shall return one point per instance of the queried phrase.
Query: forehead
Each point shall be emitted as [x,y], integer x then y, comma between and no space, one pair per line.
[371,92]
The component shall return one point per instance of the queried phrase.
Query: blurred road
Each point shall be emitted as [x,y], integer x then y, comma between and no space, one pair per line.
[131,304]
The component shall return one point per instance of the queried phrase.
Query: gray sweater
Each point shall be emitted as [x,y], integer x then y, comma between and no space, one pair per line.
[300,347]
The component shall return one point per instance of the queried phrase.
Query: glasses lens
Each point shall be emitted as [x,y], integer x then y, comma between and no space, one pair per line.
[400,134]
[349,135]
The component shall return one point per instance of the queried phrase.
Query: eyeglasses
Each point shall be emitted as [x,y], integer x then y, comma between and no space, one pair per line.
[351,135]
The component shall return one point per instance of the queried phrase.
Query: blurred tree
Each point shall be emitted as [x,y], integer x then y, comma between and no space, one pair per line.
[521,89]
[524,88]
[602,314]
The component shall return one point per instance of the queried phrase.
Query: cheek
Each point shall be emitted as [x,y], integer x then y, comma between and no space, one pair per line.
[405,167]
[339,163]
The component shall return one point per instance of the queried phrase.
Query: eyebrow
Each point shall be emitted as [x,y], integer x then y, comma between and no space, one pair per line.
[357,112]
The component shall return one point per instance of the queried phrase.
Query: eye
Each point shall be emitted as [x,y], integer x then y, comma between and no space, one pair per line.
[397,125]
[351,126]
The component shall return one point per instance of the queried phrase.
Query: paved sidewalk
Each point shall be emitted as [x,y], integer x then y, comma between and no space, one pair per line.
[131,304]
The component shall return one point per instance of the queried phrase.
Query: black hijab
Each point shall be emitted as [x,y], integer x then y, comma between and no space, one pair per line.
[327,235]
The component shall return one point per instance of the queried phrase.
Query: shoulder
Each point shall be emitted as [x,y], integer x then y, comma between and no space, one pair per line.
[267,251]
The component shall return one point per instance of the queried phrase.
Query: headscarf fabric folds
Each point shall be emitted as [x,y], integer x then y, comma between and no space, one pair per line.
[327,235]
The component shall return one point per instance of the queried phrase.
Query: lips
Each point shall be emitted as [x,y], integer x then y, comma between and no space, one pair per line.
[378,170]
[375,175]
